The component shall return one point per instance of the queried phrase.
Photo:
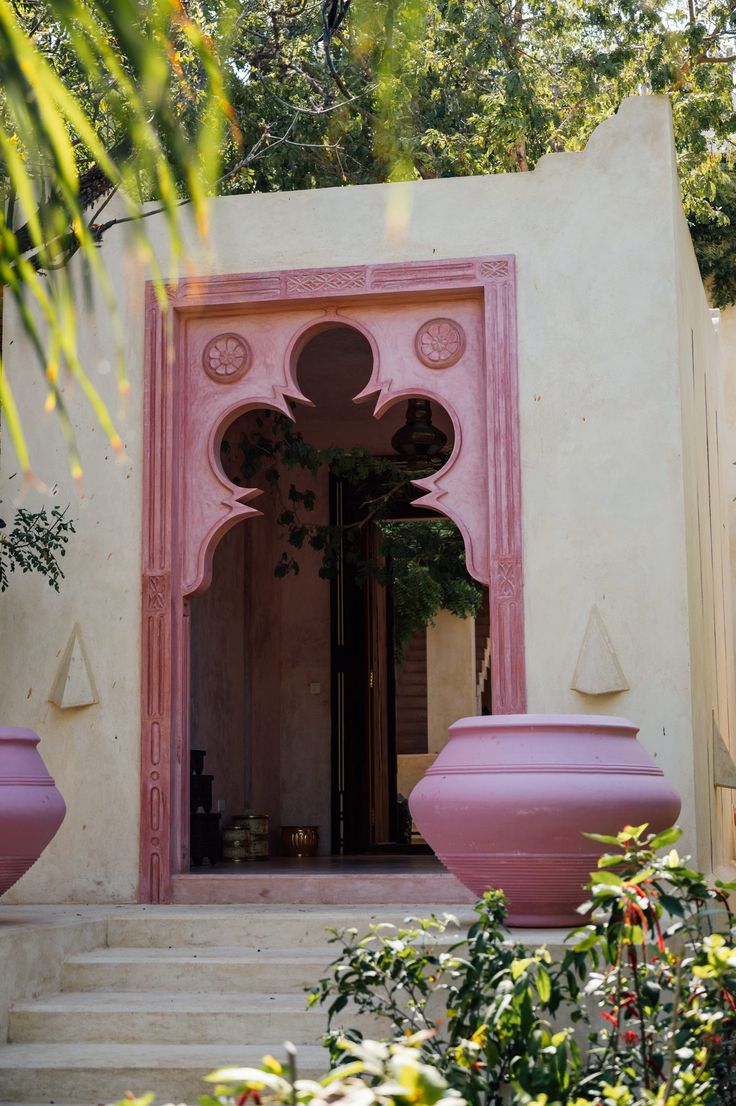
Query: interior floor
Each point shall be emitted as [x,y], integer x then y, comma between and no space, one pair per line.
[373,864]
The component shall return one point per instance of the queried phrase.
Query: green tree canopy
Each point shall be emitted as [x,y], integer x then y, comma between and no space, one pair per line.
[174,100]
[426,88]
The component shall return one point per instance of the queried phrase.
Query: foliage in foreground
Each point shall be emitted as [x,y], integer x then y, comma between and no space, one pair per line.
[640,1010]
[376,1075]
[648,983]
[98,98]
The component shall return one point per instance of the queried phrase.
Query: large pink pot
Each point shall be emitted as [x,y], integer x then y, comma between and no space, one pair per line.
[31,809]
[507,801]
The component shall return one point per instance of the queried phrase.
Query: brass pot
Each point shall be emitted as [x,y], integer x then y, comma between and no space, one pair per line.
[299,840]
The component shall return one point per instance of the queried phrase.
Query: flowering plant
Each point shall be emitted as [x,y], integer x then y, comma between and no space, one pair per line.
[640,1010]
[657,964]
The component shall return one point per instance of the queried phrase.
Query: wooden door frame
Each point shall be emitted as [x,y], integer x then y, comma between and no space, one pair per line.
[165,605]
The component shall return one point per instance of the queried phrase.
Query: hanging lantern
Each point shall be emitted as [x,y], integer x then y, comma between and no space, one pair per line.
[418,441]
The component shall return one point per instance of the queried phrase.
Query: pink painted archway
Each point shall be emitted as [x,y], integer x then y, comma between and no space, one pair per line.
[444,329]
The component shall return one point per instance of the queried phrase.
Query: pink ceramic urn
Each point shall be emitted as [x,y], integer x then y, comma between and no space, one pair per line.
[509,797]
[31,809]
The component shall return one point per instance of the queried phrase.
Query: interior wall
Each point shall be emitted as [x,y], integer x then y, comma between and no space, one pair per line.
[260,676]
[306,721]
[263,671]
[217,677]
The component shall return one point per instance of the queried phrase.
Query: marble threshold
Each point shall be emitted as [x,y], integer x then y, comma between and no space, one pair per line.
[348,880]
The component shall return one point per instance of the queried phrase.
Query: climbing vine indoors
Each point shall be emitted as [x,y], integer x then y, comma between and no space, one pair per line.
[422,562]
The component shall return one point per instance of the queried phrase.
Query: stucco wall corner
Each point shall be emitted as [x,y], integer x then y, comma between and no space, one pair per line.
[640,120]
[709,441]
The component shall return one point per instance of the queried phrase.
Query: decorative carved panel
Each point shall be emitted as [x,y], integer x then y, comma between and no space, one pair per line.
[505,582]
[334,280]
[498,270]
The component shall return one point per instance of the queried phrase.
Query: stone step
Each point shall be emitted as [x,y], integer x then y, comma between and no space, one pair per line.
[205,970]
[168,1018]
[248,926]
[105,1073]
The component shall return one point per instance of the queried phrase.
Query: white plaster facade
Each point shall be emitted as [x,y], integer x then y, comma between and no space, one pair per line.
[623,500]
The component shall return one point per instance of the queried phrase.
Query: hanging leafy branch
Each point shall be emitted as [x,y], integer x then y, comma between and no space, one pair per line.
[91,106]
[428,574]
[34,543]
[422,562]
[275,448]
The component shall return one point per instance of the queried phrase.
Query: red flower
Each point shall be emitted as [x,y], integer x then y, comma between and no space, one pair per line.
[630,1038]
[610,1018]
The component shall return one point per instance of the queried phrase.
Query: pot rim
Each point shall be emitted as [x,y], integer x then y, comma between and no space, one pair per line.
[543,722]
[19,733]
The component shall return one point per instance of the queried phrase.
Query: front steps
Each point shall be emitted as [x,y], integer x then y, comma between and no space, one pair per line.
[175,993]
[218,969]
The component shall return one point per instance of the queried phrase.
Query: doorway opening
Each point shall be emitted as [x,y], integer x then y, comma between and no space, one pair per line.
[341,633]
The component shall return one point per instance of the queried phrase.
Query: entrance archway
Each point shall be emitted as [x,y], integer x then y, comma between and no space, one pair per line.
[445,330]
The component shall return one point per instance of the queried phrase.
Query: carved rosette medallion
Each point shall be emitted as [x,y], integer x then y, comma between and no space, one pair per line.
[226,358]
[440,343]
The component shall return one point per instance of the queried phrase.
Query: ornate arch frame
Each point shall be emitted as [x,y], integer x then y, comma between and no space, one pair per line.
[166,585]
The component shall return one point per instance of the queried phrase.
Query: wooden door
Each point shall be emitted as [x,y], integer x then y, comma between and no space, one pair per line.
[381,758]
[363,740]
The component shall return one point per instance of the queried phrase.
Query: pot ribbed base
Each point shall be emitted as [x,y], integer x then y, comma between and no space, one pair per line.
[31,809]
[528,881]
[12,868]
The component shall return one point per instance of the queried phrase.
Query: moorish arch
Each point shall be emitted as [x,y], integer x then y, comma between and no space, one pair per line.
[445,330]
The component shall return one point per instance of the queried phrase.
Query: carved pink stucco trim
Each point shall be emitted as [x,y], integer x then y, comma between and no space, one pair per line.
[171,537]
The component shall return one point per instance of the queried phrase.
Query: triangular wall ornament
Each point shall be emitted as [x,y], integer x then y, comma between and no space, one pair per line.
[598,671]
[724,768]
[74,684]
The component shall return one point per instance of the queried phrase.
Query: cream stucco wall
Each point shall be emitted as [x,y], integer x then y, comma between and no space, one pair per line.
[450,675]
[604,503]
